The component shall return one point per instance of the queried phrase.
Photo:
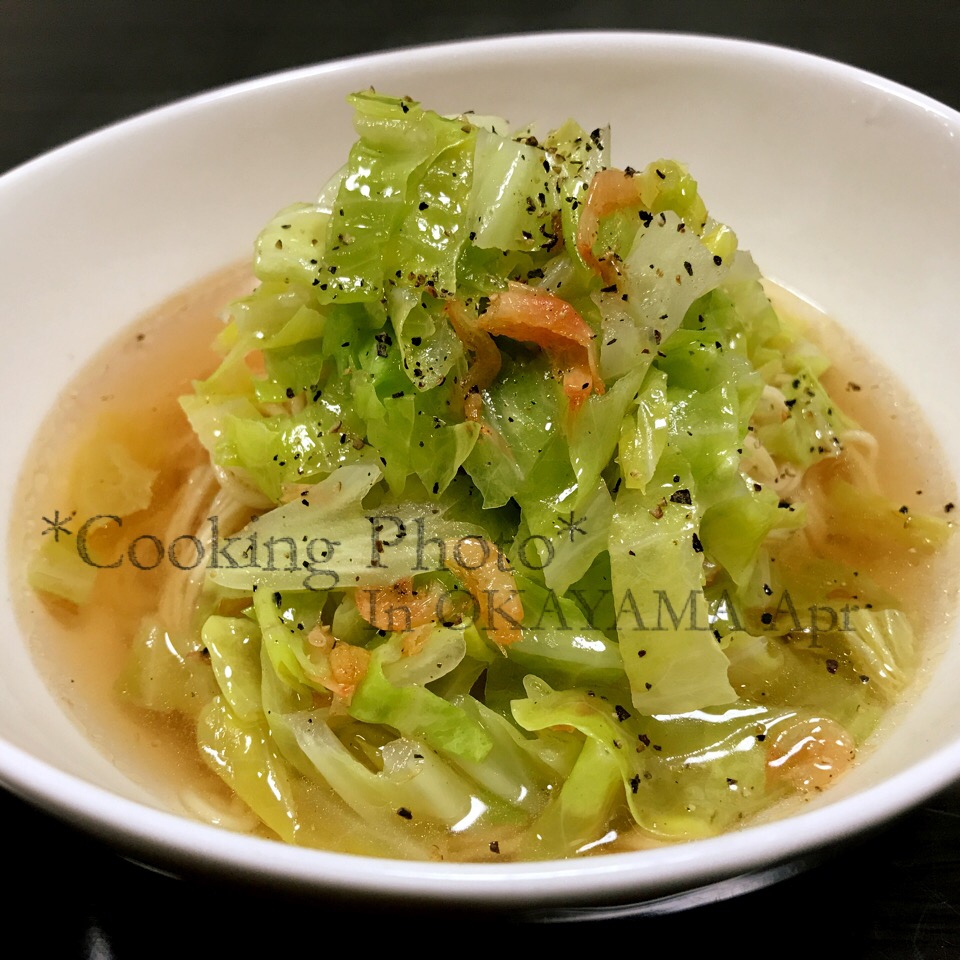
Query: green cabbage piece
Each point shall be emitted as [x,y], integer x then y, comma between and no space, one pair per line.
[244,756]
[721,754]
[59,570]
[233,644]
[166,672]
[412,777]
[644,433]
[523,410]
[669,652]
[391,212]
[514,198]
[576,819]
[882,649]
[415,712]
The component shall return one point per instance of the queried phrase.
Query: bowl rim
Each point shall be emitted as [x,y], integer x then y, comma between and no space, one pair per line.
[164,837]
[667,38]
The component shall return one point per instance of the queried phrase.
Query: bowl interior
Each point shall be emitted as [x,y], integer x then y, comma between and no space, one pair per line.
[839,183]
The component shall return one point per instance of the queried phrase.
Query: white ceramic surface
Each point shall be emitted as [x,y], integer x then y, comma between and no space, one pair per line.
[844,186]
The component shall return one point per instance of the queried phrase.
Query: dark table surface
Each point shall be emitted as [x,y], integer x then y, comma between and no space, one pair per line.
[66,69]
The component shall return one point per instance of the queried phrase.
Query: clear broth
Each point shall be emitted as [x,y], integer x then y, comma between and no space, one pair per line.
[130,390]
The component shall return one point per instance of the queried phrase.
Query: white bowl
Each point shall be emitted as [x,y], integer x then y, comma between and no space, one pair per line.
[842,184]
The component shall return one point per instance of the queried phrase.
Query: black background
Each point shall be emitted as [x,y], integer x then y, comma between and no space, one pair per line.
[67,68]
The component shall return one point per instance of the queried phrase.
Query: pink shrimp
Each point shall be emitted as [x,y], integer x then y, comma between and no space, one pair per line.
[483,570]
[537,316]
[486,362]
[399,607]
[347,663]
[609,191]
[810,754]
